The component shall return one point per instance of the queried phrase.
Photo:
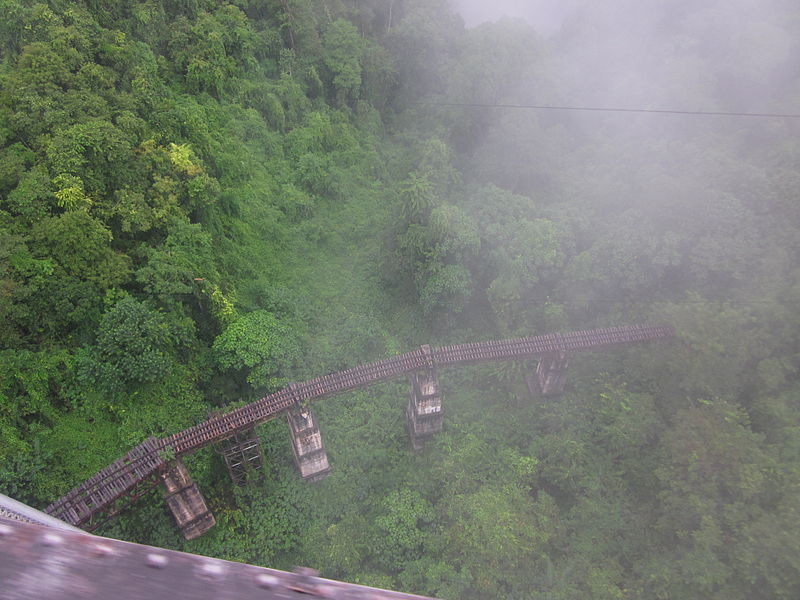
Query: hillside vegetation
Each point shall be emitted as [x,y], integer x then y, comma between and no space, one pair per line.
[202,201]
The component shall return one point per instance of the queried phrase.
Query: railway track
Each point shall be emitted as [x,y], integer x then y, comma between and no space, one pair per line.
[104,489]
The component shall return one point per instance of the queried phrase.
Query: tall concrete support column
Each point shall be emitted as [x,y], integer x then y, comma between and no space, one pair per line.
[242,454]
[551,375]
[186,502]
[309,452]
[424,413]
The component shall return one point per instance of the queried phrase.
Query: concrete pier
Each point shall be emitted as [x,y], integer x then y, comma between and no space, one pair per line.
[309,451]
[551,375]
[186,502]
[424,413]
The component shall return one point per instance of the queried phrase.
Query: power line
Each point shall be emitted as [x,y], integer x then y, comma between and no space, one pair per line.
[654,302]
[701,113]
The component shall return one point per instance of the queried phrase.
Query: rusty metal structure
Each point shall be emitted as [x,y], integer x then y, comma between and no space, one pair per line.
[43,563]
[111,489]
[243,456]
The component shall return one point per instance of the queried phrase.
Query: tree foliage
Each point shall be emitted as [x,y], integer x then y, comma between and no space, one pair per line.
[201,201]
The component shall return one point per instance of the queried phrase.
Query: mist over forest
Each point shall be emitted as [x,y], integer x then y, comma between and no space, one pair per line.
[545,16]
[202,201]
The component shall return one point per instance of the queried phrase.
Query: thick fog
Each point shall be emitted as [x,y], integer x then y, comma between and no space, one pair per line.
[636,172]
[545,15]
[708,55]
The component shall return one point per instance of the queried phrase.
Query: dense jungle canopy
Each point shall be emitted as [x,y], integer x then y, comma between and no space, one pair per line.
[201,201]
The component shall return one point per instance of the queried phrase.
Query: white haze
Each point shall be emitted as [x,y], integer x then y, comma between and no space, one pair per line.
[683,54]
[545,15]
[692,55]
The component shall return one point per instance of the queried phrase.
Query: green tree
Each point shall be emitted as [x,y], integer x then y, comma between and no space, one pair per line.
[183,264]
[401,528]
[133,346]
[343,49]
[81,245]
[261,343]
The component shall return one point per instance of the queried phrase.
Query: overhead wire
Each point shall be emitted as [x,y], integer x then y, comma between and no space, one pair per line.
[650,302]
[606,109]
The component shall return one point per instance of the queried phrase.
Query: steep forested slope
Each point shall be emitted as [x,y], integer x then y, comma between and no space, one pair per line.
[201,201]
[168,171]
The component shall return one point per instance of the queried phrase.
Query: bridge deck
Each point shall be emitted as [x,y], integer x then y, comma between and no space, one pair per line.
[115,481]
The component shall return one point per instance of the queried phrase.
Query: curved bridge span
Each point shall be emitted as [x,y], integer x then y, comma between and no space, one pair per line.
[151,462]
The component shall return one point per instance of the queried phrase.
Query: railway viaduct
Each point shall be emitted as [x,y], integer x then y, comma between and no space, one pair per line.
[158,461]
